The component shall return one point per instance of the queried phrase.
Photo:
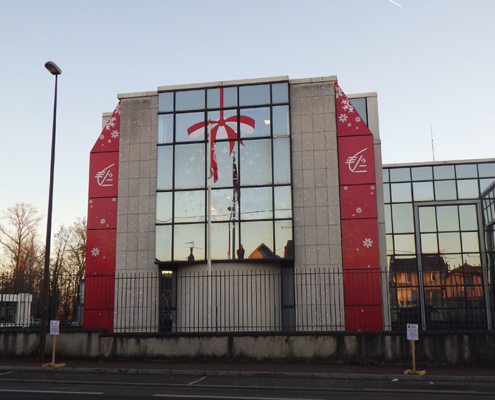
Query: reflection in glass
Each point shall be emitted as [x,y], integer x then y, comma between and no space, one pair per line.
[225,164]
[423,191]
[283,202]
[390,245]
[195,122]
[443,172]
[190,166]
[473,259]
[280,121]
[485,184]
[164,168]
[225,241]
[445,190]
[466,171]
[427,220]
[449,242]
[281,160]
[486,170]
[229,97]
[256,162]
[227,131]
[163,243]
[468,189]
[164,207]
[190,100]
[165,128]
[189,206]
[283,239]
[166,101]
[262,121]
[399,175]
[254,95]
[189,239]
[404,244]
[454,261]
[422,174]
[401,192]
[429,243]
[388,218]
[257,239]
[402,218]
[470,242]
[256,203]
[222,205]
[447,218]
[280,93]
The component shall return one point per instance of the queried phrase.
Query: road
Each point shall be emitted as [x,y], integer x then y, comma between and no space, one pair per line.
[74,386]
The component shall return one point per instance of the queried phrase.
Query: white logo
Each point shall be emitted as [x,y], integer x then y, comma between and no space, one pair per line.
[105,176]
[357,163]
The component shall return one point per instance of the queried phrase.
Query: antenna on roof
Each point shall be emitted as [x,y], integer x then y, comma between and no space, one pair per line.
[432,147]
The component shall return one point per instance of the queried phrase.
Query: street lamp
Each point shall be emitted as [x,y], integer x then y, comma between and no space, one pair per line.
[54,70]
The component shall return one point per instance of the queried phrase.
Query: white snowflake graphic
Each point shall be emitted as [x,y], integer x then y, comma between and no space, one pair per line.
[102,221]
[110,124]
[367,243]
[95,252]
[115,134]
[372,188]
[102,137]
[359,210]
[345,188]
[117,110]
[342,118]
[358,119]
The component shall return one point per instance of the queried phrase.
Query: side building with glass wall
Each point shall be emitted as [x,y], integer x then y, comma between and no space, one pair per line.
[277,203]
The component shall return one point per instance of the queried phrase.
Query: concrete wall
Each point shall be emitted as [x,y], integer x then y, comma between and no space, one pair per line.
[468,349]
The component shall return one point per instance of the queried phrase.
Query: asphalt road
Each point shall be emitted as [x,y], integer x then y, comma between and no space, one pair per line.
[60,385]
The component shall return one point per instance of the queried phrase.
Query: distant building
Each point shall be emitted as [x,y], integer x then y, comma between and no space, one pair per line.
[15,310]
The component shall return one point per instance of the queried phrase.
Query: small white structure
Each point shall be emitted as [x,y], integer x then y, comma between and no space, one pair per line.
[15,309]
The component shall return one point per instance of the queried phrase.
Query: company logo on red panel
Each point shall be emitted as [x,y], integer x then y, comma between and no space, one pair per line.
[103,174]
[356,161]
[102,213]
[358,201]
[360,248]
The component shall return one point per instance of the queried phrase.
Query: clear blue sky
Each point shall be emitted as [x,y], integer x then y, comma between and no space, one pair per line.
[430,61]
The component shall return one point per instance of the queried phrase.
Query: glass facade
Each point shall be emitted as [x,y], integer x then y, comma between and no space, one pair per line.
[435,230]
[251,198]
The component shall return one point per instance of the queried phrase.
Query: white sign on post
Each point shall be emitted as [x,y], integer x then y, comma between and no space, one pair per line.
[412,332]
[54,327]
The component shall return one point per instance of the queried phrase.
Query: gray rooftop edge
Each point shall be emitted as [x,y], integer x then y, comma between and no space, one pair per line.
[433,163]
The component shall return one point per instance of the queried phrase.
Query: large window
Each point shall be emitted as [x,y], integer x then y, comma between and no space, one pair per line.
[251,196]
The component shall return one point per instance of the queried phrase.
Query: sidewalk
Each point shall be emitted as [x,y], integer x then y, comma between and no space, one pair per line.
[301,370]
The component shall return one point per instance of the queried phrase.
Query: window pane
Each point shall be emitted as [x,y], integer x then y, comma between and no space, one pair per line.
[190,166]
[165,128]
[164,168]
[194,122]
[281,162]
[283,202]
[229,97]
[422,174]
[444,172]
[166,101]
[468,189]
[257,239]
[429,243]
[283,239]
[225,129]
[402,217]
[164,208]
[386,193]
[280,93]
[254,95]
[225,241]
[261,117]
[445,190]
[485,184]
[385,175]
[256,162]
[449,242]
[399,174]
[222,205]
[447,218]
[225,164]
[427,220]
[469,220]
[164,243]
[187,236]
[190,100]
[470,242]
[401,192]
[404,244]
[486,170]
[388,219]
[360,106]
[256,203]
[423,191]
[466,171]
[281,121]
[189,206]
[390,245]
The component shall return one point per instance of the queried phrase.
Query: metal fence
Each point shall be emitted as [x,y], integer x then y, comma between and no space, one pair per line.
[289,300]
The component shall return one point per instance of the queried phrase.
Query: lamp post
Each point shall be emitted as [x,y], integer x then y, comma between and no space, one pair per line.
[56,71]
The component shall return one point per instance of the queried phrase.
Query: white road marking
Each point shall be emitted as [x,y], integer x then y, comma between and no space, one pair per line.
[199,380]
[6,373]
[46,391]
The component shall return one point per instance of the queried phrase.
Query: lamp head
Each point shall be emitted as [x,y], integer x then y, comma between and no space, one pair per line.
[53,68]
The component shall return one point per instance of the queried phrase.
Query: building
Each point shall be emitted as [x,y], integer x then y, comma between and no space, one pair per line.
[296,205]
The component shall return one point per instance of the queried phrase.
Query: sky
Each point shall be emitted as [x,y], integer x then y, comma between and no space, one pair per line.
[430,61]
